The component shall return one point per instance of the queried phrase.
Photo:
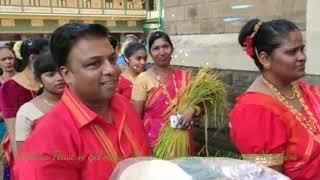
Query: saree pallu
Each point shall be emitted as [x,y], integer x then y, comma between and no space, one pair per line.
[5,153]
[159,108]
[308,161]
[8,157]
[266,132]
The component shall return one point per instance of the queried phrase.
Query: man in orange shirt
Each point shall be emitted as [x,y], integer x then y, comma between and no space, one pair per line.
[91,128]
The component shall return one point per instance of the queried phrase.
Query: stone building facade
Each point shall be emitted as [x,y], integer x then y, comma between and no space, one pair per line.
[40,17]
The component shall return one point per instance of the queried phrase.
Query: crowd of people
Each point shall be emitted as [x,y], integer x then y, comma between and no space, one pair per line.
[75,106]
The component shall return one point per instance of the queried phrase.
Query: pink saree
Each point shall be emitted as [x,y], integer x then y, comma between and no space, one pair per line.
[159,107]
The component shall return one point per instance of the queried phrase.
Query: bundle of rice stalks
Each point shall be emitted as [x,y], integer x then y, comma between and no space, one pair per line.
[174,143]
[208,92]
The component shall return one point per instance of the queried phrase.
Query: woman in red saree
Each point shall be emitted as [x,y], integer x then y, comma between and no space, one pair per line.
[7,68]
[136,58]
[156,92]
[276,121]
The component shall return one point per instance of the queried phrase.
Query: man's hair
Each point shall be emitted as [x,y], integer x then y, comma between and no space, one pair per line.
[66,36]
[114,42]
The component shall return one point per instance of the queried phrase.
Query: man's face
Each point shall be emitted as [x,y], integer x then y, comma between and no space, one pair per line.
[91,71]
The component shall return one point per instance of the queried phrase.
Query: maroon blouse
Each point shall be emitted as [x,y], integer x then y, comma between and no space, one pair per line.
[12,96]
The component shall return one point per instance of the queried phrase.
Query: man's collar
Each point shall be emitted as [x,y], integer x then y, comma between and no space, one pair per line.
[83,115]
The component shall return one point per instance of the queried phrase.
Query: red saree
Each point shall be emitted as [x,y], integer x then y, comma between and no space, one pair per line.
[158,108]
[267,132]
[124,87]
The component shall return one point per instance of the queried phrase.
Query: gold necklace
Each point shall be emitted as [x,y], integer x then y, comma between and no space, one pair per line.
[289,97]
[284,95]
[32,84]
[309,123]
[165,88]
[32,87]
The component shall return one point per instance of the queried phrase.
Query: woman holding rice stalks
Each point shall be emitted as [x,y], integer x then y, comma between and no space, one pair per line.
[155,96]
[168,99]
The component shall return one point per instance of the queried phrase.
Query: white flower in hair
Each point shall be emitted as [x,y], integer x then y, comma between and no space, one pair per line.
[16,49]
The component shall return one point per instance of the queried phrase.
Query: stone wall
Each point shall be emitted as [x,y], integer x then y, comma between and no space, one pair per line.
[207,16]
[218,47]
[201,36]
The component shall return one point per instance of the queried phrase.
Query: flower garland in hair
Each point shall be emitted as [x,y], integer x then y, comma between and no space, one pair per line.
[250,49]
[17,49]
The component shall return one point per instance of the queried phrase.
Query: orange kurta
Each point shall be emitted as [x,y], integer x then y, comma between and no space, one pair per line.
[73,142]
